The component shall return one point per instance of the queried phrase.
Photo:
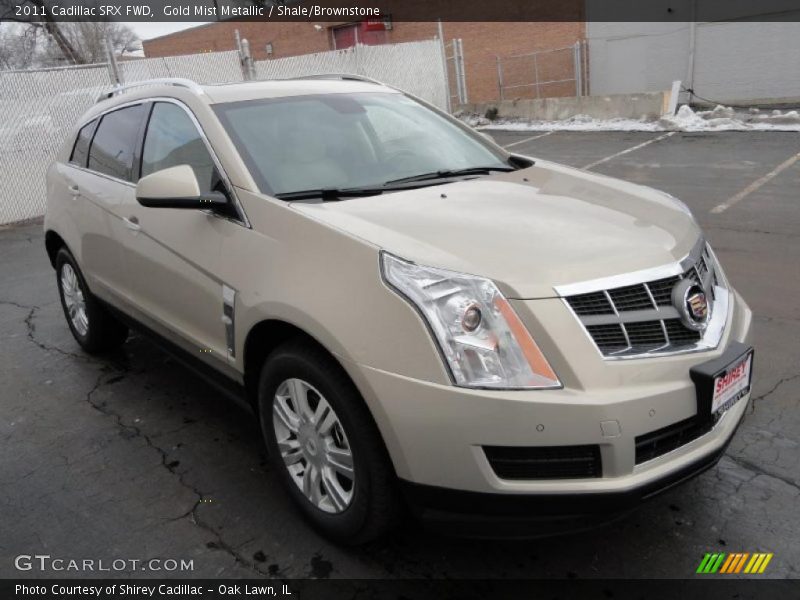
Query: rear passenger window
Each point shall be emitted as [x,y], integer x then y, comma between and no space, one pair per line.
[112,149]
[172,139]
[80,152]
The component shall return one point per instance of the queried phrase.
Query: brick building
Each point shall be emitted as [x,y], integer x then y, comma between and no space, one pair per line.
[483,42]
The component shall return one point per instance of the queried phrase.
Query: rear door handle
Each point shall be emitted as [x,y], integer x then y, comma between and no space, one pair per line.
[132,223]
[74,190]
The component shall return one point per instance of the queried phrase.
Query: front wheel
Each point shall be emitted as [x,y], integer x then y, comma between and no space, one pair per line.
[324,444]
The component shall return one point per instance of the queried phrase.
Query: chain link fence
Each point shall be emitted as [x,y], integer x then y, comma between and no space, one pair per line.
[40,107]
[210,67]
[556,72]
[415,67]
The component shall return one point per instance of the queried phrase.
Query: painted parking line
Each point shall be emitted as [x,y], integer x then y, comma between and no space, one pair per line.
[736,198]
[526,140]
[626,151]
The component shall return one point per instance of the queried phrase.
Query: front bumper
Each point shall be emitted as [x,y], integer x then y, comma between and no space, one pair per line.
[436,434]
[513,515]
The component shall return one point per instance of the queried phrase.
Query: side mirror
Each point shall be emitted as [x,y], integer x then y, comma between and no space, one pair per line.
[176,187]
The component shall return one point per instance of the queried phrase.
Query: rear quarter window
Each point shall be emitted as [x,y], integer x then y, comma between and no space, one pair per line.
[113,147]
[80,151]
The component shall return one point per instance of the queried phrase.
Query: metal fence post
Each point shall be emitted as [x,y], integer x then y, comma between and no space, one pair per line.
[536,73]
[576,64]
[357,51]
[585,62]
[457,69]
[245,59]
[448,100]
[113,67]
[464,95]
[500,76]
[248,67]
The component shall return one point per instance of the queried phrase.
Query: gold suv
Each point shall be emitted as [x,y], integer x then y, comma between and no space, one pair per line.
[419,318]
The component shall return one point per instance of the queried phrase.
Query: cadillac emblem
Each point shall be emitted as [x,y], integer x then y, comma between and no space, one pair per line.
[692,304]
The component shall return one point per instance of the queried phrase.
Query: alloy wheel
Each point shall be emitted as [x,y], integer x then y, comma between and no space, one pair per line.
[74,300]
[313,445]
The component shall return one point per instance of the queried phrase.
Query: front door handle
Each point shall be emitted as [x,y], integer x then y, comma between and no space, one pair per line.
[132,223]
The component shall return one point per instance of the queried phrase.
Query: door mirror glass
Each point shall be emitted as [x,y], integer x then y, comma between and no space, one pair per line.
[176,187]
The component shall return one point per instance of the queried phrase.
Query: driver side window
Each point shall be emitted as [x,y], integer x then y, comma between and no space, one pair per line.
[172,139]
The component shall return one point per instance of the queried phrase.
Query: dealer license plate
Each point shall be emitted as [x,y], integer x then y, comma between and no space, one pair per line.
[733,384]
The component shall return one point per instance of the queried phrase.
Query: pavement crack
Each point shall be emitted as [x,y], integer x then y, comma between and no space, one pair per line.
[749,466]
[31,331]
[775,387]
[192,513]
[18,305]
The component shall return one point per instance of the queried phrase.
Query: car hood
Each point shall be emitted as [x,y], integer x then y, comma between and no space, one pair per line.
[529,230]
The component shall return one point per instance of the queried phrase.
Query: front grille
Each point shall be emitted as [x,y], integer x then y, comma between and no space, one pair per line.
[609,338]
[591,304]
[545,462]
[632,297]
[662,290]
[640,318]
[654,444]
[680,335]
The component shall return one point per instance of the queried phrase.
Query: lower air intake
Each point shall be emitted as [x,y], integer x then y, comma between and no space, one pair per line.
[545,462]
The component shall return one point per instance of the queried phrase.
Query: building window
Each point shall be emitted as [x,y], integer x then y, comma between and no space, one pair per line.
[371,33]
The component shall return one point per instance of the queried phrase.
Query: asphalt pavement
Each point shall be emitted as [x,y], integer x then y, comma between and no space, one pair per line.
[133,457]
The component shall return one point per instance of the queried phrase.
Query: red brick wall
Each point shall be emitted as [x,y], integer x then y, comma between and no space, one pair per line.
[482,42]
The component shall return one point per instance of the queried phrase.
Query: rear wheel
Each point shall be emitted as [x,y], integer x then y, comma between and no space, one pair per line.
[325,446]
[92,326]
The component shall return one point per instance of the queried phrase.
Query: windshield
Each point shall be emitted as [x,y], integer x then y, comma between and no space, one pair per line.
[347,141]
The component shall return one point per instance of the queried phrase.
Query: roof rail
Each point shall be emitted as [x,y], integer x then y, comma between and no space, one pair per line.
[343,76]
[176,81]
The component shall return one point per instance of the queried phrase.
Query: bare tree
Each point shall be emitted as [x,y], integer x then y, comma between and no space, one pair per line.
[88,40]
[45,22]
[31,42]
[19,46]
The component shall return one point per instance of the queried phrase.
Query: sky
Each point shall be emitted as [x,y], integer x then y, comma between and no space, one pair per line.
[145,31]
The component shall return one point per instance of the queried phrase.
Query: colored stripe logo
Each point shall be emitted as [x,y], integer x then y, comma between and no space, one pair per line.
[735,562]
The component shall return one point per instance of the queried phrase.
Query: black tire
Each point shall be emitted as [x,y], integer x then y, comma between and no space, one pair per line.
[103,332]
[375,506]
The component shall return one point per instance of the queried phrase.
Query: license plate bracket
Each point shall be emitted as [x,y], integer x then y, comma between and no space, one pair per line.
[722,382]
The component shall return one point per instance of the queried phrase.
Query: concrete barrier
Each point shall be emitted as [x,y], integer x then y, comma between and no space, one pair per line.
[648,105]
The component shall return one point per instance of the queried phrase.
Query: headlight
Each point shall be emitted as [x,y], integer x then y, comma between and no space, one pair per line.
[482,339]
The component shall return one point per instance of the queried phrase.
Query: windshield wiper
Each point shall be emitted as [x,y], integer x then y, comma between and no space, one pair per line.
[447,173]
[327,194]
[330,193]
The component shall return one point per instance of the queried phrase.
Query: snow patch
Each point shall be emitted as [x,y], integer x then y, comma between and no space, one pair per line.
[720,118]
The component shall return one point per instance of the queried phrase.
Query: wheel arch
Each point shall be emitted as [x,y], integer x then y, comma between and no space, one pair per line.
[267,335]
[53,242]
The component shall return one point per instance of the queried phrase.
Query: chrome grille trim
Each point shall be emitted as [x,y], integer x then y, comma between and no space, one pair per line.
[646,320]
